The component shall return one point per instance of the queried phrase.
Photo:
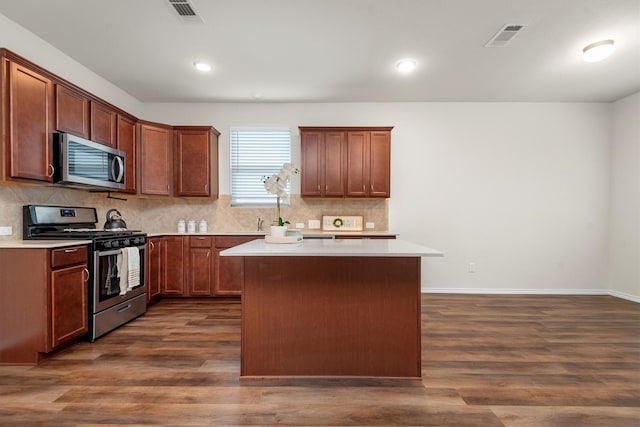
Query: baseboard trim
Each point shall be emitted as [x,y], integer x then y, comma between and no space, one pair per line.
[532,292]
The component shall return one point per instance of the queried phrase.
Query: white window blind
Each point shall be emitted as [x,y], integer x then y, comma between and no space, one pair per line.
[256,153]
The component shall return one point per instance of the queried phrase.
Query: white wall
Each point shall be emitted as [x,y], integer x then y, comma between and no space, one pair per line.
[520,189]
[624,229]
[29,46]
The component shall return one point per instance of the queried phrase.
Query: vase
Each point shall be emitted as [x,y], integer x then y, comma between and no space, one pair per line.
[278,230]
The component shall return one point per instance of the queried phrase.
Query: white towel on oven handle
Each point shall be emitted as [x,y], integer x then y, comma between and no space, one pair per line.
[128,261]
[133,264]
[122,262]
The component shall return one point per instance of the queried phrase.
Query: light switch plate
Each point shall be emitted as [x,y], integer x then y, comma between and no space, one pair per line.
[6,230]
[370,225]
[299,225]
[314,224]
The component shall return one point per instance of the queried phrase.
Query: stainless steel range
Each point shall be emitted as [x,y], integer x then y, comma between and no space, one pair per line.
[112,252]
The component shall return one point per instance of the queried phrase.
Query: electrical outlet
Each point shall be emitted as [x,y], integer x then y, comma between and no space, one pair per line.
[370,225]
[472,267]
[6,230]
[299,225]
[314,224]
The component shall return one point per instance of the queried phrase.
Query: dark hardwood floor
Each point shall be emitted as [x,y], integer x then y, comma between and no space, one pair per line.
[487,360]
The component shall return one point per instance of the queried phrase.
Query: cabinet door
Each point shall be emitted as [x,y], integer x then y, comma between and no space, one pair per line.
[229,270]
[69,299]
[155,160]
[334,164]
[72,112]
[173,266]
[103,124]
[200,271]
[380,164]
[192,162]
[311,180]
[357,163]
[154,267]
[127,143]
[29,122]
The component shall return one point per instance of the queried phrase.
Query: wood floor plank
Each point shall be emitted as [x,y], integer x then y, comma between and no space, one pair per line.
[487,360]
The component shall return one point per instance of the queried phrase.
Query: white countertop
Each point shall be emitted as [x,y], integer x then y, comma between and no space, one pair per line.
[41,244]
[331,247]
[305,233]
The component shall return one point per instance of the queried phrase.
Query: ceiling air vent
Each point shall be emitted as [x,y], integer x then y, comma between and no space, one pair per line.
[185,10]
[504,36]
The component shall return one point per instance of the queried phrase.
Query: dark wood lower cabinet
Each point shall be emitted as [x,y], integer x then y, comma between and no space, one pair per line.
[173,266]
[201,264]
[190,266]
[229,270]
[155,254]
[43,301]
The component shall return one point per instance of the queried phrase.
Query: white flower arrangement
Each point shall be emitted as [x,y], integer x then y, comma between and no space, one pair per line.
[277,184]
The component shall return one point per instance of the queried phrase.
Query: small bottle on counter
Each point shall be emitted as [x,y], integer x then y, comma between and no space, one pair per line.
[202,227]
[191,227]
[182,228]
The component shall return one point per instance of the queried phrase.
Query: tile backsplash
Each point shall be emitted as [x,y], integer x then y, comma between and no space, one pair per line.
[161,215]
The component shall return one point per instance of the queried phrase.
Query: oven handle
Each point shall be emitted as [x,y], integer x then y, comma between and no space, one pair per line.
[116,251]
[107,253]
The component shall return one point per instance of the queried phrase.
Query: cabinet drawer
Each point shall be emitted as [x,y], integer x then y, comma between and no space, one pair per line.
[231,241]
[68,256]
[200,241]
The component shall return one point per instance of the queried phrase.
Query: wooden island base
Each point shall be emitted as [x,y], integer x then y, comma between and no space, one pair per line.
[331,316]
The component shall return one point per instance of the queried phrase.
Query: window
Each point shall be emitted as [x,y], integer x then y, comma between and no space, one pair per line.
[256,153]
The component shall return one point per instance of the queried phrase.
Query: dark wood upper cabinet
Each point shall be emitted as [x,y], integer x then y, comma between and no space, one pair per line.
[357,164]
[323,163]
[127,143]
[27,119]
[104,122]
[345,161]
[380,164]
[35,103]
[155,157]
[72,112]
[195,161]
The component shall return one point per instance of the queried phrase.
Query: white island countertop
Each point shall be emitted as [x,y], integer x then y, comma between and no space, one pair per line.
[333,247]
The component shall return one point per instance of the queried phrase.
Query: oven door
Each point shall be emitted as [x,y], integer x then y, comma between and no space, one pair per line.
[106,279]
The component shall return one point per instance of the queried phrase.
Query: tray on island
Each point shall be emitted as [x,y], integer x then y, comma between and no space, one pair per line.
[283,239]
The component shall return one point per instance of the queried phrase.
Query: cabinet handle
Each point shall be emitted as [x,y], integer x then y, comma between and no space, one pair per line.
[86,271]
[318,187]
[326,187]
[52,170]
[206,187]
[364,188]
[208,253]
[371,187]
[152,245]
[69,251]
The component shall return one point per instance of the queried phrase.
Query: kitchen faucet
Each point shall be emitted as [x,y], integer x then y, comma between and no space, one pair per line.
[260,222]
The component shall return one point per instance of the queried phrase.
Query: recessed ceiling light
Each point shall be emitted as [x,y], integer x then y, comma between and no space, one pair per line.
[597,51]
[202,66]
[406,66]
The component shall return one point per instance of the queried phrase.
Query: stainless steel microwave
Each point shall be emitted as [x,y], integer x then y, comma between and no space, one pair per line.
[81,163]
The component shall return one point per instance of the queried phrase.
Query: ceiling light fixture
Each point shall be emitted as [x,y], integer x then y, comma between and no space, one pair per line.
[202,66]
[406,66]
[597,51]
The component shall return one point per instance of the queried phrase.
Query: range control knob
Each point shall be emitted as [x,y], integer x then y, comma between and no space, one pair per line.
[115,243]
[126,242]
[106,244]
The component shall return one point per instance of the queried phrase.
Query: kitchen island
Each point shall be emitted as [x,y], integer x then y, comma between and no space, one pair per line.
[331,308]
